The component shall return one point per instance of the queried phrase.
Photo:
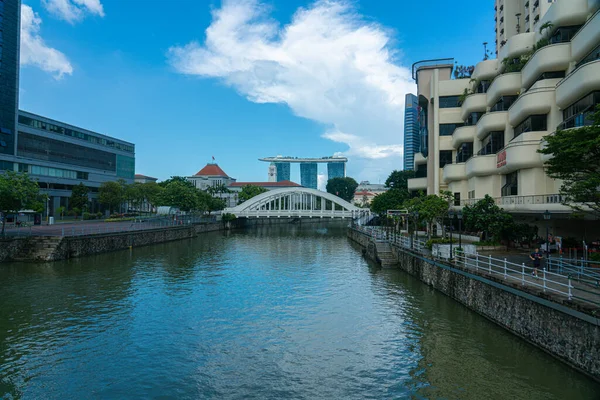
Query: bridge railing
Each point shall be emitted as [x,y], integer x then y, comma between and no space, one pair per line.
[571,284]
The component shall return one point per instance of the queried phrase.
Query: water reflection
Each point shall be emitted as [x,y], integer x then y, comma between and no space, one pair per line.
[270,312]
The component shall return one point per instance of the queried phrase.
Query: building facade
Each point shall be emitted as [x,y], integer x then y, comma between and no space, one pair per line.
[272,174]
[411,131]
[283,171]
[336,168]
[308,175]
[484,141]
[210,176]
[139,178]
[57,155]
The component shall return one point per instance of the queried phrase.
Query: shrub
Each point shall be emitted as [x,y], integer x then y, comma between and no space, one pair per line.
[71,213]
[594,257]
[228,217]
[86,216]
[99,215]
[119,219]
[429,244]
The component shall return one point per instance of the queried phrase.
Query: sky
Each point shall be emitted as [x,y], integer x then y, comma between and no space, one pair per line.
[238,80]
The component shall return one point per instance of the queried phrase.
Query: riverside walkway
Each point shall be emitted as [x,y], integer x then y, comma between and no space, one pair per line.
[566,288]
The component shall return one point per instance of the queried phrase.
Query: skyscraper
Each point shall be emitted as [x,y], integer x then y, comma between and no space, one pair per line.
[336,170]
[272,173]
[283,171]
[308,175]
[411,130]
[10,12]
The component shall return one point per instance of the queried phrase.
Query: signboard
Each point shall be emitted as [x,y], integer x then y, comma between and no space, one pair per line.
[501,159]
[397,212]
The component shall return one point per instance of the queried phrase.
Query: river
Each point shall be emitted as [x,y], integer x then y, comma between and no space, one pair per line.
[283,312]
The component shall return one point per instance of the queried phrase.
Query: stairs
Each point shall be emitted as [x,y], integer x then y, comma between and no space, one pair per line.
[385,256]
[40,248]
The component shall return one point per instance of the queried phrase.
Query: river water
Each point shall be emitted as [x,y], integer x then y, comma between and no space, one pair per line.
[283,312]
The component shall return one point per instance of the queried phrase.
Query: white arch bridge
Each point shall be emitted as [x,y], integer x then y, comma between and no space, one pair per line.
[297,202]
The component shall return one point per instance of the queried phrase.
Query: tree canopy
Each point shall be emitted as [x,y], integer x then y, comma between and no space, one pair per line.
[111,195]
[17,192]
[79,197]
[342,187]
[485,216]
[250,191]
[393,199]
[399,179]
[430,208]
[574,160]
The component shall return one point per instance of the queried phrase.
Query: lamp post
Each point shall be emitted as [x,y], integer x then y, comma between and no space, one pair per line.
[459,216]
[416,216]
[451,215]
[547,218]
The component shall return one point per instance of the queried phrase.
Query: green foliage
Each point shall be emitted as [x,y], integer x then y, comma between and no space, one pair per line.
[215,204]
[487,243]
[485,216]
[516,64]
[575,154]
[17,192]
[430,208]
[111,195]
[594,257]
[548,27]
[119,219]
[79,197]
[393,199]
[342,187]
[429,244]
[250,191]
[181,179]
[180,194]
[399,179]
[520,232]
[227,217]
[543,42]
[61,211]
[464,95]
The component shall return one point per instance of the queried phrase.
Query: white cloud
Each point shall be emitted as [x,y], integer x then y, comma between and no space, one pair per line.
[328,65]
[74,10]
[33,49]
[321,181]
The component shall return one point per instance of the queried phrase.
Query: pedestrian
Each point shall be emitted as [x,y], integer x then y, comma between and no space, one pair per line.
[536,257]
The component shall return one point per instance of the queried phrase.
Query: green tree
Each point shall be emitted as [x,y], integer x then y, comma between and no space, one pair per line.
[342,187]
[17,192]
[181,179]
[111,195]
[249,191]
[61,211]
[180,194]
[574,160]
[216,204]
[79,197]
[399,179]
[430,208]
[485,216]
[393,199]
[151,192]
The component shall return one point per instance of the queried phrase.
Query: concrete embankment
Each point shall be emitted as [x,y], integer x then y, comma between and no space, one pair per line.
[552,325]
[53,248]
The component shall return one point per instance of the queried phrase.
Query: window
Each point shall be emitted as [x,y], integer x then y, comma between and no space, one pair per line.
[421,171]
[482,87]
[492,143]
[533,123]
[511,184]
[504,103]
[448,129]
[457,198]
[6,131]
[465,151]
[592,56]
[551,75]
[564,34]
[449,101]
[578,114]
[6,165]
[473,118]
[445,157]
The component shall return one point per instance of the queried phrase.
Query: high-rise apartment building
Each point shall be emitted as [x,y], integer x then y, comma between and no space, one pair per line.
[308,175]
[486,142]
[57,155]
[411,130]
[336,170]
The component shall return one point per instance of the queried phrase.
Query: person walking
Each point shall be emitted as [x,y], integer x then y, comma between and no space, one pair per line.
[536,257]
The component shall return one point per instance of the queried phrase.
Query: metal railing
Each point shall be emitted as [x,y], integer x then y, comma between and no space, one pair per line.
[555,278]
[581,270]
[520,200]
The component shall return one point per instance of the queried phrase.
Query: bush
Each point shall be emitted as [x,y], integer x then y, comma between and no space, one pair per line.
[99,215]
[429,244]
[228,217]
[594,257]
[87,216]
[119,219]
[71,213]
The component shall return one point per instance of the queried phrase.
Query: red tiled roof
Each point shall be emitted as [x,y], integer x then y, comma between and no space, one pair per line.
[144,176]
[212,170]
[266,184]
[364,193]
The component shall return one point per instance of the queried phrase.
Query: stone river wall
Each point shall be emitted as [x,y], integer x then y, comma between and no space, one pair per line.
[566,333]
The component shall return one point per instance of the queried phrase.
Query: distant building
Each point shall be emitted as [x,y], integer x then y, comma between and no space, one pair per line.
[411,130]
[363,198]
[138,178]
[209,176]
[336,168]
[238,186]
[272,173]
[366,191]
[308,175]
[282,171]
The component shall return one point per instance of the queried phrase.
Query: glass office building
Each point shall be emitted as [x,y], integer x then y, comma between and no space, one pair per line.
[57,155]
[411,131]
[283,171]
[336,170]
[308,175]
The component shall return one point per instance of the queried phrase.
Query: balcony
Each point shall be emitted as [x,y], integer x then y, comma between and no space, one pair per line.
[516,46]
[417,184]
[493,121]
[504,85]
[554,57]
[532,102]
[565,13]
[419,159]
[454,172]
[534,203]
[473,103]
[580,82]
[519,155]
[481,165]
[587,38]
[462,135]
[484,70]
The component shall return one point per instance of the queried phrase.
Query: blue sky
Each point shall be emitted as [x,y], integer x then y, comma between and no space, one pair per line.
[241,79]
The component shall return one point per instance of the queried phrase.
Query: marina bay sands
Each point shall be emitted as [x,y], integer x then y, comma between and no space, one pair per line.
[279,169]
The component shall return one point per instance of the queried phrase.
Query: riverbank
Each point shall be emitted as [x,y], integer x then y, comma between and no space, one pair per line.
[569,335]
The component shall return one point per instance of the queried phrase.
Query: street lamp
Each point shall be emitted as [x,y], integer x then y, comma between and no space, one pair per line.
[451,215]
[547,218]
[460,217]
[416,217]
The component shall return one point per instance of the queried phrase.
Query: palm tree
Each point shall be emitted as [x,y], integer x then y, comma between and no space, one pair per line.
[546,25]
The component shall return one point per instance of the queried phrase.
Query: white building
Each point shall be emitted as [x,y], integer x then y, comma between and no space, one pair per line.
[484,141]
[272,173]
[210,176]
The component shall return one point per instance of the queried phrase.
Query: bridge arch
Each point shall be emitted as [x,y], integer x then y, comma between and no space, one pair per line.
[296,202]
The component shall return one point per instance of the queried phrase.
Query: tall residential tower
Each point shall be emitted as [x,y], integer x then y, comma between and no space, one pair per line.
[411,130]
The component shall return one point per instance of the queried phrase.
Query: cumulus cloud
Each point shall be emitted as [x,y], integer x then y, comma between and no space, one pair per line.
[74,10]
[34,50]
[328,64]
